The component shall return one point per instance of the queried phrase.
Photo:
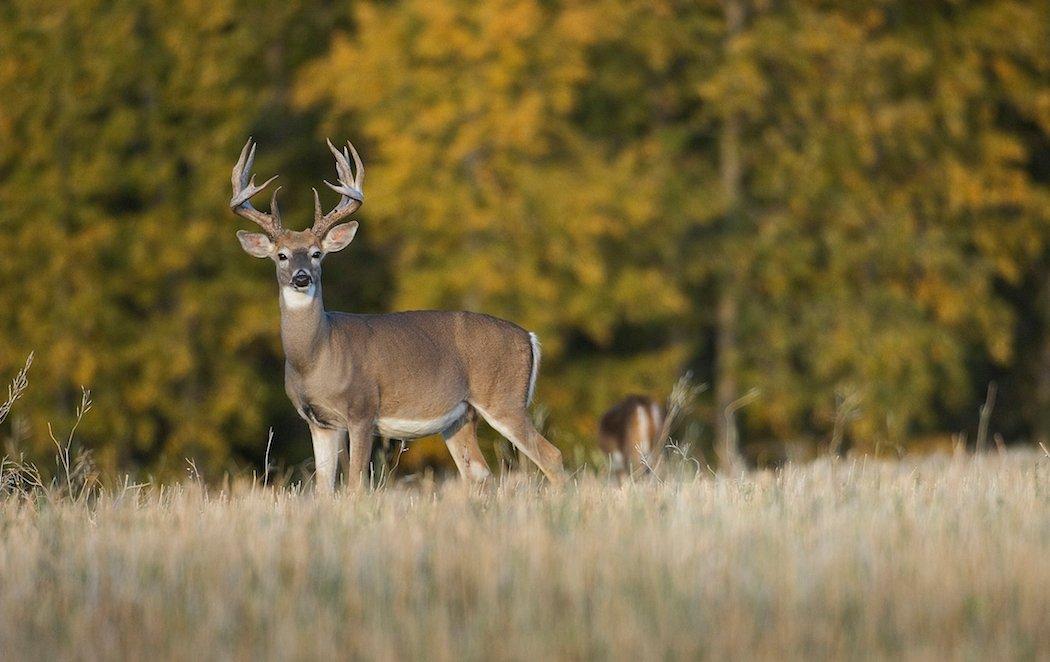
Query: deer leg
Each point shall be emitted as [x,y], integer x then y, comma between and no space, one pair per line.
[328,443]
[643,459]
[462,441]
[382,456]
[360,435]
[617,465]
[515,425]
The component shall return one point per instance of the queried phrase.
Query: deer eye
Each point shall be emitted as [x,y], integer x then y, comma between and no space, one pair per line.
[282,257]
[316,255]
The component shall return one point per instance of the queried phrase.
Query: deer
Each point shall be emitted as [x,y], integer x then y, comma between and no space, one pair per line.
[631,433]
[402,375]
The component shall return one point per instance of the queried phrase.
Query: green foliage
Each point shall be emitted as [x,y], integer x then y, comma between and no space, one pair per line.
[556,163]
[115,146]
[481,181]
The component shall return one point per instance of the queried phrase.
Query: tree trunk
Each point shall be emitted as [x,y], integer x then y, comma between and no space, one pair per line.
[728,310]
[1041,424]
[725,378]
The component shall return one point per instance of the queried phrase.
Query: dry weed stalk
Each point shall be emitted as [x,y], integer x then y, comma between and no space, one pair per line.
[17,387]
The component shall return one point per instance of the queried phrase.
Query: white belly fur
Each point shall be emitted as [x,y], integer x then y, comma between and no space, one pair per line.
[403,428]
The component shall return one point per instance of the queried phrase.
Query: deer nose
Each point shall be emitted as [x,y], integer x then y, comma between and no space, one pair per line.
[301,279]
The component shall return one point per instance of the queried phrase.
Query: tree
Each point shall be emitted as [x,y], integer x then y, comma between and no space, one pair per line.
[479,181]
[842,206]
[120,123]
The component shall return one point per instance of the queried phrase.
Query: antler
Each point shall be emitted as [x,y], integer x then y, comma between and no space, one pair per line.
[350,189]
[244,188]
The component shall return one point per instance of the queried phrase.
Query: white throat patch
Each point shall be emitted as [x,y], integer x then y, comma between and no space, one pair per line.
[293,298]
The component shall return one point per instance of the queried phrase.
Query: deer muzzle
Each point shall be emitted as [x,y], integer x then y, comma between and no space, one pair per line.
[301,279]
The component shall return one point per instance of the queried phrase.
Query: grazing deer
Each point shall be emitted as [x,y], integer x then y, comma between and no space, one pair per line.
[402,375]
[632,433]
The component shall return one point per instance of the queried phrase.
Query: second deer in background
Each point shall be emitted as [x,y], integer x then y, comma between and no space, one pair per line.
[631,433]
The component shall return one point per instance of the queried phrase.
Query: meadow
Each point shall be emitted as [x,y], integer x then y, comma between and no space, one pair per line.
[936,558]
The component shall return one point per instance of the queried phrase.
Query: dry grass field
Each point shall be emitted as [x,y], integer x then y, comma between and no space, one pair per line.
[933,559]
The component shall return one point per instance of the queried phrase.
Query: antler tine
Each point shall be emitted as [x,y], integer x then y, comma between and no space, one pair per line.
[274,210]
[342,163]
[349,188]
[244,187]
[349,184]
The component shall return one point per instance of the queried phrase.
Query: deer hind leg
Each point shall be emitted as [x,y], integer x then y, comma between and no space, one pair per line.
[642,440]
[462,441]
[514,424]
[618,464]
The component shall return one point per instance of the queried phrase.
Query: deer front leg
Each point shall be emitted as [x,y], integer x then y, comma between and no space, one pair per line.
[328,443]
[360,453]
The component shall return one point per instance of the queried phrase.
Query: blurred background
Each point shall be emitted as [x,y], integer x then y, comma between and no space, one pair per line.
[837,209]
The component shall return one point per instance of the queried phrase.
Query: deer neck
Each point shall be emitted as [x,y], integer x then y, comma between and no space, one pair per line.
[304,327]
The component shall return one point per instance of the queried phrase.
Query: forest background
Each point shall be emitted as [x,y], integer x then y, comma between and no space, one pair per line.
[836,210]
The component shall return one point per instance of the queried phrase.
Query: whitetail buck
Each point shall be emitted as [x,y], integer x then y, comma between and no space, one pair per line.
[632,433]
[401,375]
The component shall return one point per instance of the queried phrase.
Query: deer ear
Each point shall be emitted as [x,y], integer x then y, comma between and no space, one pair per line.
[255,244]
[339,237]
